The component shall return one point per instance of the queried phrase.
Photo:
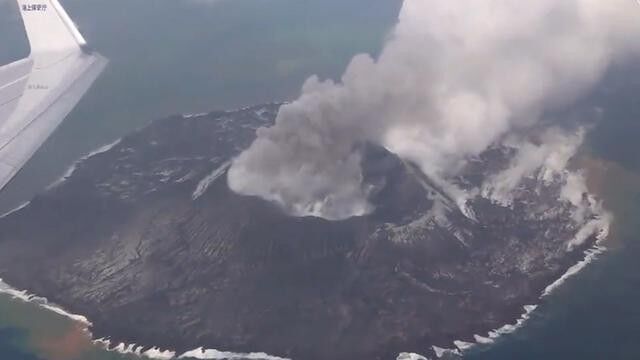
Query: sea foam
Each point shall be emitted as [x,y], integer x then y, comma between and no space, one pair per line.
[155,353]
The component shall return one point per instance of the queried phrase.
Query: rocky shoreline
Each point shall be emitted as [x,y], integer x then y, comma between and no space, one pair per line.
[148,242]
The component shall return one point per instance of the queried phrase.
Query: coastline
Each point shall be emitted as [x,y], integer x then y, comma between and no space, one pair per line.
[128,349]
[460,347]
[595,169]
[593,249]
[152,352]
[157,353]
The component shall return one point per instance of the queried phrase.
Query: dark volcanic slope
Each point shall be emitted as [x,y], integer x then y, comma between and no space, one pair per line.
[147,240]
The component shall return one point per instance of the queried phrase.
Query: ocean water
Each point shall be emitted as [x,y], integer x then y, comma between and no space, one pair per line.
[596,314]
[177,56]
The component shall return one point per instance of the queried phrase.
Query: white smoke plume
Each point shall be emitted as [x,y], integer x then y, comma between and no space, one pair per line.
[549,157]
[454,77]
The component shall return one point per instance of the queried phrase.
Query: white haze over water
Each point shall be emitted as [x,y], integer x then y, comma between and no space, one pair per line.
[454,78]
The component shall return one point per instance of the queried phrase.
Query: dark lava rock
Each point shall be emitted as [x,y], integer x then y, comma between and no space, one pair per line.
[148,242]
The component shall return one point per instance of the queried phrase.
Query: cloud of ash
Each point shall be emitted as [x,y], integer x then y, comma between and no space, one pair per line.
[453,78]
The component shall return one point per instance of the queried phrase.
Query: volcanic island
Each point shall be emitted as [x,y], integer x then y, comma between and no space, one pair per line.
[146,239]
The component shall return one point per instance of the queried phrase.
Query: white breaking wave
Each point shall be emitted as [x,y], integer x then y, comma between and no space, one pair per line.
[510,328]
[410,356]
[590,255]
[483,340]
[440,352]
[462,346]
[154,353]
[131,349]
[43,302]
[201,353]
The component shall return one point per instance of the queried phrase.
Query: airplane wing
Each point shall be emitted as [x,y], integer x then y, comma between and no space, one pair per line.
[38,92]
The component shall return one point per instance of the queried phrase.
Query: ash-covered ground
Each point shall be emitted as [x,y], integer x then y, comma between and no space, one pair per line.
[148,242]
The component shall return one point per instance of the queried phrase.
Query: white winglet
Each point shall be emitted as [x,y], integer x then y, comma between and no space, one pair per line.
[50,30]
[38,92]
